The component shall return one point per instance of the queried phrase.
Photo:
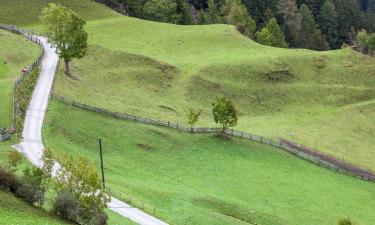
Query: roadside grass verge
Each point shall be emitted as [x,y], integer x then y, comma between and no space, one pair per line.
[16,52]
[191,179]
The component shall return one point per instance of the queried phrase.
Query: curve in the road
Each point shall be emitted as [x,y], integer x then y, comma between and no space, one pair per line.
[31,143]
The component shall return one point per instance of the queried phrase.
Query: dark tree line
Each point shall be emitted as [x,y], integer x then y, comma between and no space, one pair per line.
[313,24]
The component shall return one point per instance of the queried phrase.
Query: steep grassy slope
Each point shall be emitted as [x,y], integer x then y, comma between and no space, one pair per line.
[16,212]
[203,179]
[15,53]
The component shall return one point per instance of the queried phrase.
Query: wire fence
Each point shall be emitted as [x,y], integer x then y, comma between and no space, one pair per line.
[30,35]
[298,150]
[131,200]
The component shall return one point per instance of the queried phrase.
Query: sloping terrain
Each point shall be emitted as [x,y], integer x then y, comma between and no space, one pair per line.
[204,179]
[159,70]
[16,52]
[16,212]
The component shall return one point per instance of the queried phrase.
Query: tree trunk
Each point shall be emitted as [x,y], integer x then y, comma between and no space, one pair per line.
[67,68]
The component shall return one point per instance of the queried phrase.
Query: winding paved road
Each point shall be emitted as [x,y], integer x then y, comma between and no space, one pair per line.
[31,143]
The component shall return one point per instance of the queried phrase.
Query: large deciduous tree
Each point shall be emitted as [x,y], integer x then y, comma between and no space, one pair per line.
[65,31]
[224,113]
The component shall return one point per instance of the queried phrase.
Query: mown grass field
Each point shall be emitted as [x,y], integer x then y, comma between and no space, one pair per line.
[15,53]
[203,179]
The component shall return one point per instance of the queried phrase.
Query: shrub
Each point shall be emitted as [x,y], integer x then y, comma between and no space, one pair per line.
[345,221]
[14,158]
[66,206]
[7,180]
[33,188]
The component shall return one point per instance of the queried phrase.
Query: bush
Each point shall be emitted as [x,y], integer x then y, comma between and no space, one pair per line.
[66,206]
[345,221]
[14,158]
[7,180]
[33,187]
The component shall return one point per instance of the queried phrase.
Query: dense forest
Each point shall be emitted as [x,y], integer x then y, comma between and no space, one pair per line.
[312,24]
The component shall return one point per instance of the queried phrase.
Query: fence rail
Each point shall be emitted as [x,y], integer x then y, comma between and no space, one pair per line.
[30,35]
[298,150]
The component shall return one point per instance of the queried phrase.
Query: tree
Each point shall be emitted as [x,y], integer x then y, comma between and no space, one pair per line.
[183,8]
[65,31]
[192,117]
[371,43]
[238,15]
[84,187]
[161,10]
[348,17]
[328,23]
[291,21]
[224,113]
[272,35]
[314,5]
[202,18]
[213,13]
[310,36]
[362,41]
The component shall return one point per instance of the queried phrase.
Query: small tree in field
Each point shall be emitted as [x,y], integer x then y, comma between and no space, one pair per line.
[65,32]
[192,117]
[224,113]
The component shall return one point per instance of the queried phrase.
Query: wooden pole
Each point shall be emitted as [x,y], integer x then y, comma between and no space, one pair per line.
[101,162]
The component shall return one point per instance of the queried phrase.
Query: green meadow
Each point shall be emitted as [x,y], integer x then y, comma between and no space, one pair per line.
[205,179]
[323,100]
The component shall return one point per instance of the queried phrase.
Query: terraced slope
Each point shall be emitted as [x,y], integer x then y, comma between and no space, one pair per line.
[15,53]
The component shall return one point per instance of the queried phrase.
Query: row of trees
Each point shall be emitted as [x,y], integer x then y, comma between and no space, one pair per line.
[314,24]
[76,196]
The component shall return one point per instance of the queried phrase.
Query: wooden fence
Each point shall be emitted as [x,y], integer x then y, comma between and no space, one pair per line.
[298,150]
[31,36]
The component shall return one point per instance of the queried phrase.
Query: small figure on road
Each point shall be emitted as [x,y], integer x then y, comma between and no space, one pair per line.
[24,70]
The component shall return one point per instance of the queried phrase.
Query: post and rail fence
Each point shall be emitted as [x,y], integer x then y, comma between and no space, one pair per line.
[298,150]
[30,35]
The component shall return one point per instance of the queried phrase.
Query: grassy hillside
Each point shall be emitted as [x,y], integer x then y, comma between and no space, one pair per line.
[195,179]
[16,52]
[26,13]
[320,99]
[16,212]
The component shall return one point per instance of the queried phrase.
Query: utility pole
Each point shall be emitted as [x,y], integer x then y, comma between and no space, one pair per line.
[101,162]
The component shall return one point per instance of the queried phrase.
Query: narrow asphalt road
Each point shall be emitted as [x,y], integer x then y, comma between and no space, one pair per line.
[31,143]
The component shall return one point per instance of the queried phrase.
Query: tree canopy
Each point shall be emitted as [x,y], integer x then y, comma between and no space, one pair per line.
[65,31]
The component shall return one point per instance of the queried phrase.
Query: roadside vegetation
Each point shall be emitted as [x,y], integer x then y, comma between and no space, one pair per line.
[191,178]
[16,53]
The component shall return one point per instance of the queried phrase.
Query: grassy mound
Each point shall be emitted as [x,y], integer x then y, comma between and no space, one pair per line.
[195,179]
[16,52]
